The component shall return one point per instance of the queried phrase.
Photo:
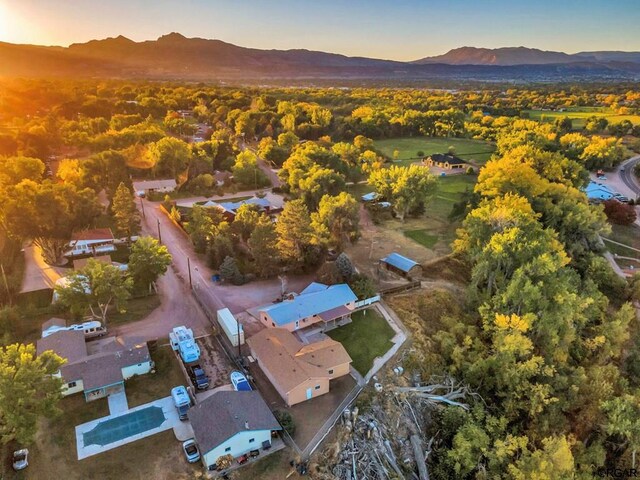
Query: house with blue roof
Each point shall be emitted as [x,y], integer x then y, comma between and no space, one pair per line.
[230,209]
[394,262]
[598,192]
[318,303]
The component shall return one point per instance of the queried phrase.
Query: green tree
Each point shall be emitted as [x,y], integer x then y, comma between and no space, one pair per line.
[229,271]
[263,244]
[295,233]
[201,225]
[407,188]
[246,171]
[125,213]
[15,169]
[337,219]
[623,419]
[245,221]
[47,213]
[344,266]
[29,390]
[148,261]
[169,156]
[96,288]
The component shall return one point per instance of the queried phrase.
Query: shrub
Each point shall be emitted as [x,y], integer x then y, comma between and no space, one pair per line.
[619,213]
[420,153]
[286,420]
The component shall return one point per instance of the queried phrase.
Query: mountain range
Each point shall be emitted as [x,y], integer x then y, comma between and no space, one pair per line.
[174,56]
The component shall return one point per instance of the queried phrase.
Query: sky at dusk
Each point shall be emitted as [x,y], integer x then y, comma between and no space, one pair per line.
[393,29]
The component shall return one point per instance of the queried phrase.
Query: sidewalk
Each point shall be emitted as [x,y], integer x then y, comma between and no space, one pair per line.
[398,339]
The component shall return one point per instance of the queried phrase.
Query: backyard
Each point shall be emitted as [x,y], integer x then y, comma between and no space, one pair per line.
[628,235]
[408,148]
[55,445]
[368,336]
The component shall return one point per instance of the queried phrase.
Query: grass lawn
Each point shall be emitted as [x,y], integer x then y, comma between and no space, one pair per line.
[627,234]
[274,467]
[422,237]
[368,336]
[467,149]
[579,115]
[359,189]
[137,309]
[146,388]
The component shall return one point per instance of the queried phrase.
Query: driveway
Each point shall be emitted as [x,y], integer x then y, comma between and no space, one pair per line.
[38,274]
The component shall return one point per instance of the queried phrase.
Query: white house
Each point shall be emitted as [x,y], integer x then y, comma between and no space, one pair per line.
[232,423]
[91,242]
[98,374]
[149,186]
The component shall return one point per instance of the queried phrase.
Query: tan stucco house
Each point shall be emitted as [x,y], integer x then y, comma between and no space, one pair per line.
[298,372]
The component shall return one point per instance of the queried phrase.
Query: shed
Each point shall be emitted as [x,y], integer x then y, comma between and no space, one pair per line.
[401,265]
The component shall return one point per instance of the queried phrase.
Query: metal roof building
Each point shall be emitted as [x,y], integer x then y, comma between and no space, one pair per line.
[401,264]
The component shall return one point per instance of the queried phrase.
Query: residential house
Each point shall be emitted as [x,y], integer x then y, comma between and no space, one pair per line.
[297,371]
[231,423]
[91,242]
[318,303]
[222,177]
[369,197]
[394,262]
[97,374]
[145,187]
[445,161]
[230,209]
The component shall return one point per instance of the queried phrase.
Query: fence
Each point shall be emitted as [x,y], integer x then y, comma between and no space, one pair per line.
[367,301]
[400,288]
[329,424]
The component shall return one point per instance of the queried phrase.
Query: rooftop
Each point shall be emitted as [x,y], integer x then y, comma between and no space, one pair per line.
[68,344]
[313,300]
[226,413]
[153,184]
[291,362]
[399,261]
[445,157]
[94,234]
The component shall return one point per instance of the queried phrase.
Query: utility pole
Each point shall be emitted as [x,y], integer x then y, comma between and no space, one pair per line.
[159,233]
[189,268]
[142,205]
[6,285]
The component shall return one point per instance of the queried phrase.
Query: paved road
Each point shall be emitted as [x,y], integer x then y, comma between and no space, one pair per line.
[625,171]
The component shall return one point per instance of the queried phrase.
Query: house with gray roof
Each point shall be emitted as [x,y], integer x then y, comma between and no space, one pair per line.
[97,374]
[232,423]
[318,303]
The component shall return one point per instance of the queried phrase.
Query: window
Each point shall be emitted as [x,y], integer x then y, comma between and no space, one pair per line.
[273,324]
[71,384]
[330,372]
[251,440]
[317,387]
[228,449]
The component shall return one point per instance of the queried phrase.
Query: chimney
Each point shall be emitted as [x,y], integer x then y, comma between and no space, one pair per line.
[246,425]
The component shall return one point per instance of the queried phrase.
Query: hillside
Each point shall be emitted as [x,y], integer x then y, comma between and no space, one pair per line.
[174,56]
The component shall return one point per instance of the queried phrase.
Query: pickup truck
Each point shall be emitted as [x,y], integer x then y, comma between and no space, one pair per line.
[198,376]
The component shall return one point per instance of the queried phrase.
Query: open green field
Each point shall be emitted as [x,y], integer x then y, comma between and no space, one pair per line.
[368,336]
[628,235]
[467,149]
[423,237]
[579,116]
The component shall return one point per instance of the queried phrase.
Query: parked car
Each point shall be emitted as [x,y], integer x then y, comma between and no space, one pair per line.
[243,459]
[191,450]
[621,198]
[198,376]
[20,459]
[240,382]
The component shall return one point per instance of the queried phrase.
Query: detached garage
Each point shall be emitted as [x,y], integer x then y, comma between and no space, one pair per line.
[394,262]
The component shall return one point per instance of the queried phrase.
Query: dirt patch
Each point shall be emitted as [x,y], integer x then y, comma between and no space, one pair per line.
[214,361]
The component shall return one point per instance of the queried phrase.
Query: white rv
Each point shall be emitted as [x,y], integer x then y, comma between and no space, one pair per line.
[91,329]
[232,328]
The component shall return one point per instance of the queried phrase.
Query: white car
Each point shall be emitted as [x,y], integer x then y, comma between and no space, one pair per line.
[191,451]
[20,459]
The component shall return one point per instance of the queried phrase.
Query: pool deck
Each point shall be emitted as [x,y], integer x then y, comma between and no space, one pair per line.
[171,420]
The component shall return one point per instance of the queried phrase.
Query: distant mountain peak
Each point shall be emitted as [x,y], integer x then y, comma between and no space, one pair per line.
[500,56]
[172,37]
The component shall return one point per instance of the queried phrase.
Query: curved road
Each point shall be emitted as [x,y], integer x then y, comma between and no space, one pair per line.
[625,171]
